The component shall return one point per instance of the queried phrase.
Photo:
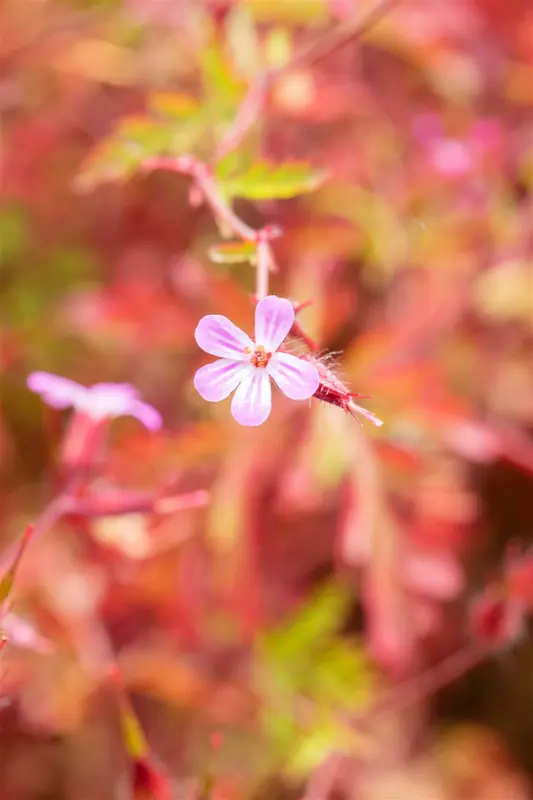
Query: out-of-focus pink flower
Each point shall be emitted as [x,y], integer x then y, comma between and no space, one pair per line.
[99,402]
[247,365]
[452,157]
[455,157]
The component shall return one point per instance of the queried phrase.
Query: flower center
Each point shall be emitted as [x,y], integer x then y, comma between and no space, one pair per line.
[258,356]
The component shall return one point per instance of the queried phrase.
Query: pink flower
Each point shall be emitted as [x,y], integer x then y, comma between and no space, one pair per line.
[99,402]
[248,364]
[457,157]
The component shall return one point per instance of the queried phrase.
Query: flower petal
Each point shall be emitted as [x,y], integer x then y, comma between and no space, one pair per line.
[274,317]
[216,381]
[122,390]
[57,392]
[218,336]
[252,401]
[297,378]
[110,400]
[148,415]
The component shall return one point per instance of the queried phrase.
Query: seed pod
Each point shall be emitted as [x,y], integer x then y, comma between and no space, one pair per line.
[332,390]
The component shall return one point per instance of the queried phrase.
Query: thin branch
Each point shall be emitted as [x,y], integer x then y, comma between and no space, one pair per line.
[406,695]
[109,506]
[264,260]
[349,29]
[308,55]
[203,177]
[46,520]
[100,506]
[247,114]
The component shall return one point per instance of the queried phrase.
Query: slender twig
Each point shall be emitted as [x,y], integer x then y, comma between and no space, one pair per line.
[408,694]
[46,520]
[263,268]
[398,699]
[205,181]
[247,114]
[104,506]
[352,28]
[101,506]
[308,55]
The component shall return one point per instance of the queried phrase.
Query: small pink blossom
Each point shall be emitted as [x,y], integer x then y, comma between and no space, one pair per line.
[247,365]
[454,157]
[99,402]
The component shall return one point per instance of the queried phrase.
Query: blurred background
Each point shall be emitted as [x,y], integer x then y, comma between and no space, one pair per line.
[331,564]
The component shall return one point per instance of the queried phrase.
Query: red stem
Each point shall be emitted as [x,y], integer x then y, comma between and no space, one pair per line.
[100,506]
[206,183]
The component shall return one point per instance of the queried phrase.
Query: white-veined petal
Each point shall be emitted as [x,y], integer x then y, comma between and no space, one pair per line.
[297,378]
[218,336]
[56,391]
[274,317]
[252,401]
[216,381]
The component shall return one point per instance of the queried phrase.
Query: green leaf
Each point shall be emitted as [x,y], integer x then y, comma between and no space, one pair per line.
[306,659]
[172,106]
[134,140]
[294,646]
[341,676]
[270,181]
[229,165]
[320,618]
[223,89]
[324,736]
[233,253]
[14,232]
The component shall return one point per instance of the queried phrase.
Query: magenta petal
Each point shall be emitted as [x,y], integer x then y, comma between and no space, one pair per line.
[216,381]
[274,317]
[57,392]
[110,400]
[148,415]
[218,336]
[124,391]
[452,157]
[252,401]
[297,378]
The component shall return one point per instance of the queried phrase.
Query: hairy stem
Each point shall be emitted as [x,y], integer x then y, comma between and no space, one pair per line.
[263,268]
